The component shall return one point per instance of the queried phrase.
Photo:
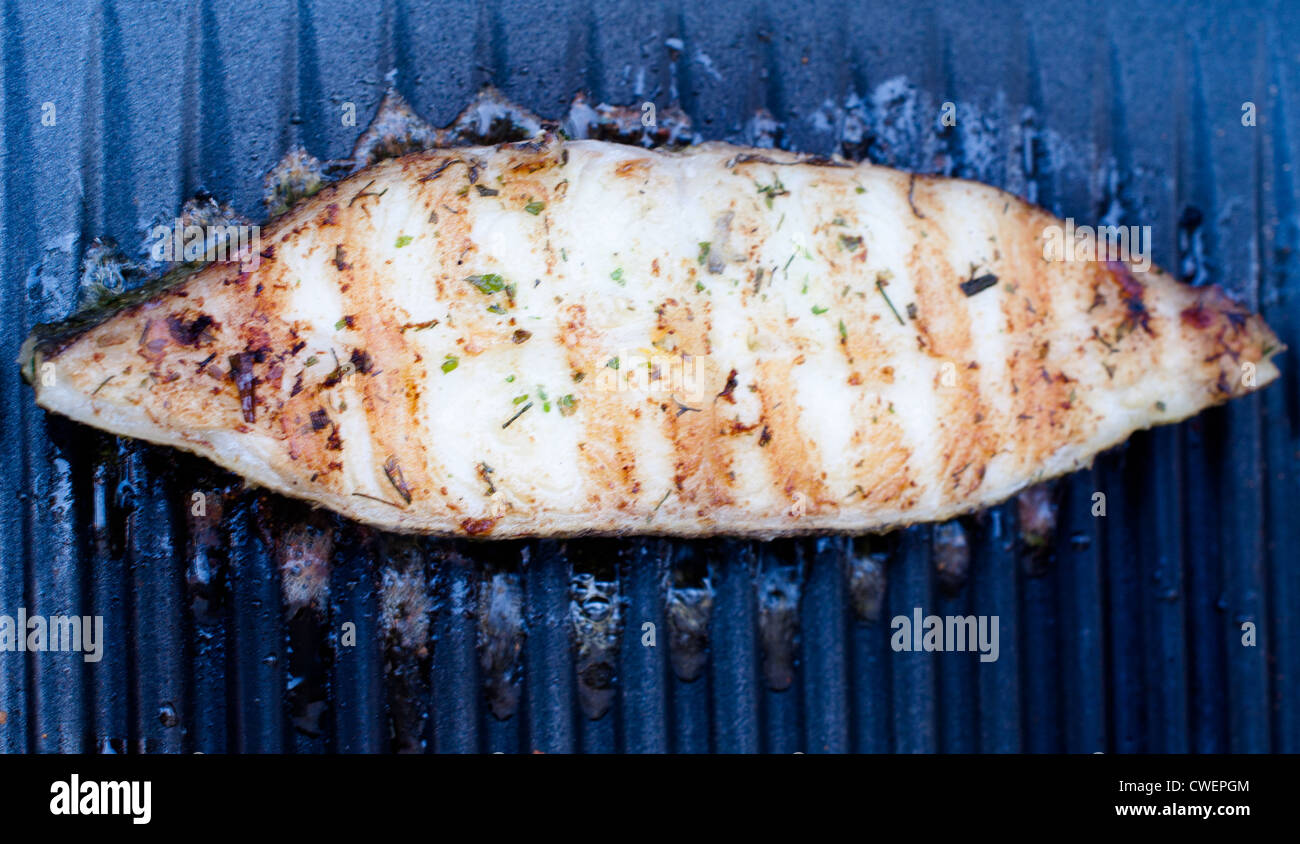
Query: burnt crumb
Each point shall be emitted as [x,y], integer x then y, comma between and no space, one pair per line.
[241,372]
[1131,291]
[730,388]
[341,258]
[393,471]
[978,284]
[477,527]
[297,386]
[521,335]
[337,375]
[193,333]
[362,362]
[334,442]
[319,419]
[764,437]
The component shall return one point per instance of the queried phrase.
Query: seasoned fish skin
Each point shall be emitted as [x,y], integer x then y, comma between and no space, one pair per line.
[559,338]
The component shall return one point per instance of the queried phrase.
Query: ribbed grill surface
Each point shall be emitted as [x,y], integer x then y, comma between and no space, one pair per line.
[226,631]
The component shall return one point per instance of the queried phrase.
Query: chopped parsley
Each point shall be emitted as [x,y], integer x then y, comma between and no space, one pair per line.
[567,405]
[704,252]
[617,275]
[818,310]
[488,283]
[612,363]
[772,191]
[402,240]
[450,363]
[535,207]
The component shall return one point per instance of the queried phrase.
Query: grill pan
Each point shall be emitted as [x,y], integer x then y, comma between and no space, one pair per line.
[226,632]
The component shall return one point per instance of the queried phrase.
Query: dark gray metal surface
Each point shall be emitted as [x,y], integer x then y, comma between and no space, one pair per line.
[1128,640]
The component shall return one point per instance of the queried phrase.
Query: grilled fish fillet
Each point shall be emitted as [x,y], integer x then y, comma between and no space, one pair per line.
[559,338]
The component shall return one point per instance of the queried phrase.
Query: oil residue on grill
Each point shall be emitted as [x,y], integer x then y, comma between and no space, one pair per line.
[501,628]
[689,607]
[303,551]
[1036,514]
[951,556]
[867,575]
[596,613]
[405,607]
[780,584]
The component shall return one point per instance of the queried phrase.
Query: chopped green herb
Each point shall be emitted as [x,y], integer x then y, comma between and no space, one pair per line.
[704,252]
[850,244]
[567,405]
[450,363]
[520,399]
[699,287]
[535,207]
[520,412]
[771,191]
[880,285]
[617,275]
[818,310]
[844,332]
[612,363]
[496,309]
[860,189]
[404,239]
[510,379]
[488,283]
[312,361]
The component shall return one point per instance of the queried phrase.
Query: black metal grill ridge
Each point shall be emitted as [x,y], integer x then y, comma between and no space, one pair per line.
[223,637]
